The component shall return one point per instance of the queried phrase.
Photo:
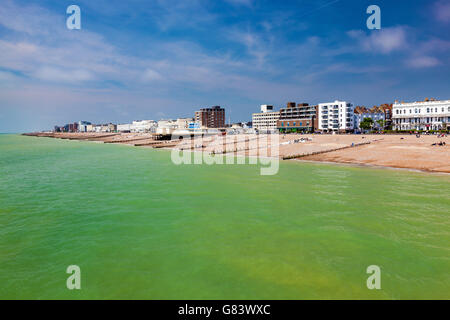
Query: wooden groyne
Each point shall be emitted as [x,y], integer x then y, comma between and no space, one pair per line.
[130,140]
[296,156]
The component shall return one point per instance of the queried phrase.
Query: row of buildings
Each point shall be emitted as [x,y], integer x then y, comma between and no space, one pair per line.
[85,126]
[337,116]
[430,114]
[204,119]
[342,116]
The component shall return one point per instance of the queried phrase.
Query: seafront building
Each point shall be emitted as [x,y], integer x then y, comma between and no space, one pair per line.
[143,126]
[298,118]
[84,126]
[124,127]
[166,126]
[336,116]
[375,113]
[213,117]
[104,128]
[183,123]
[429,114]
[266,120]
[138,126]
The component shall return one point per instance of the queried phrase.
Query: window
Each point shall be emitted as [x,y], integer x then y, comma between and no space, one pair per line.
[428,110]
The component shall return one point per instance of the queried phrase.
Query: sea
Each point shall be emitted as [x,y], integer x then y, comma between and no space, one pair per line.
[139,226]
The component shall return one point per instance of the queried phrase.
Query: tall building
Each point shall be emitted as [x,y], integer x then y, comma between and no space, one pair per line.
[336,116]
[430,114]
[301,117]
[213,117]
[266,120]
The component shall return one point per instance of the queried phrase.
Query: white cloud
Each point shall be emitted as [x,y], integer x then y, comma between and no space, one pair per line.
[422,62]
[256,46]
[63,75]
[151,75]
[384,41]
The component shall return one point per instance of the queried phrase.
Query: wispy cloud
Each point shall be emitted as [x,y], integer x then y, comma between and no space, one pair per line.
[441,10]
[422,62]
[382,41]
[255,45]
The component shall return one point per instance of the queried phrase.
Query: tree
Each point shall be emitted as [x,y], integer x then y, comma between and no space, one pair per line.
[381,123]
[366,124]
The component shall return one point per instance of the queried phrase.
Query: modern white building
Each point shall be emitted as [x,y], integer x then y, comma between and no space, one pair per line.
[138,126]
[84,126]
[336,116]
[126,127]
[425,115]
[143,126]
[266,120]
[166,126]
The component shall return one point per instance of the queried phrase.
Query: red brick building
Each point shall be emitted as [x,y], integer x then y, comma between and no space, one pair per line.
[211,117]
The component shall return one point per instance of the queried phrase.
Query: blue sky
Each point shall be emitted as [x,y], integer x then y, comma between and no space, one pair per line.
[165,59]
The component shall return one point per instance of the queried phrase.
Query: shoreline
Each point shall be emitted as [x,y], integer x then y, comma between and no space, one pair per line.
[400,152]
[372,166]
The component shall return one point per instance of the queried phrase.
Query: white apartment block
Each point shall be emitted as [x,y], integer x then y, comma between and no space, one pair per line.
[336,116]
[166,126]
[84,126]
[138,126]
[144,126]
[126,127]
[422,115]
[266,120]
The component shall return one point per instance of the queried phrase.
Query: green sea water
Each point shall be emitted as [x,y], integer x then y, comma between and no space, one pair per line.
[141,227]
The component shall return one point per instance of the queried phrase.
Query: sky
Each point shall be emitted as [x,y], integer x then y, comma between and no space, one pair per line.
[165,59]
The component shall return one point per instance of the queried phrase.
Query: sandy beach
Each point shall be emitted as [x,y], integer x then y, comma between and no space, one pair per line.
[397,151]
